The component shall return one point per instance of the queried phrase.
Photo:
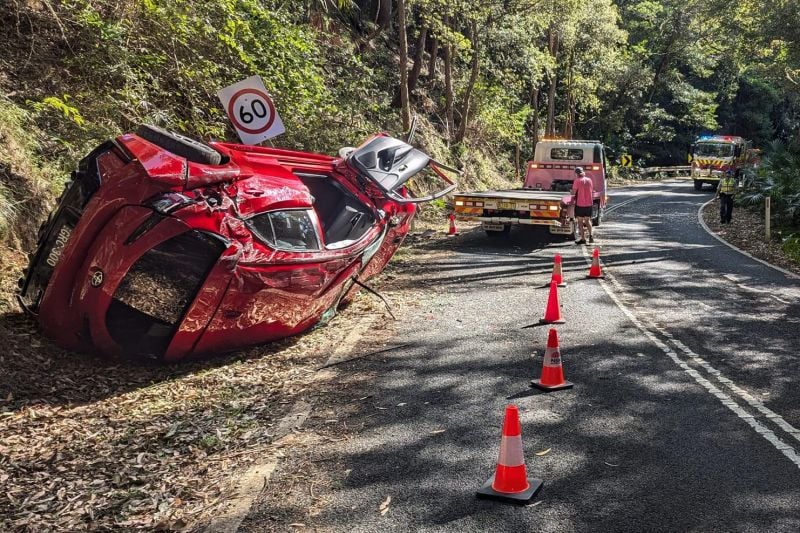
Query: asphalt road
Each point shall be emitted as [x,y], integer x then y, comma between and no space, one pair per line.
[682,417]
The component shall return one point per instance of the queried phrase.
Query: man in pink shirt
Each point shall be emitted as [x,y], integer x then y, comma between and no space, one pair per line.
[583,197]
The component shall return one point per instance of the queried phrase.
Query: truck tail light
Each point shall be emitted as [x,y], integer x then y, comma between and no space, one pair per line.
[459,202]
[596,167]
[553,208]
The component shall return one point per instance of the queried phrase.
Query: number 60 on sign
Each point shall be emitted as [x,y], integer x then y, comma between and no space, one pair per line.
[251,111]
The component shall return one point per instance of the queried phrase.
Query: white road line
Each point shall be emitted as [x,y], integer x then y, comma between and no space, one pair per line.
[614,207]
[788,274]
[726,400]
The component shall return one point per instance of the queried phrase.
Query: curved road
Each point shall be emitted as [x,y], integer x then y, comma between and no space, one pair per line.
[684,414]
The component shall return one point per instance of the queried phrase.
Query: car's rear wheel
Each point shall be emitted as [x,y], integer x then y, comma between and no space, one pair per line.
[192,150]
[698,185]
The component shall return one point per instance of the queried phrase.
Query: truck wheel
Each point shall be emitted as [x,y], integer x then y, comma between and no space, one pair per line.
[496,234]
[698,185]
[597,215]
[192,150]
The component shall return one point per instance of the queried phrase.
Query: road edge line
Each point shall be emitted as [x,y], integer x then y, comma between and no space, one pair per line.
[788,451]
[788,274]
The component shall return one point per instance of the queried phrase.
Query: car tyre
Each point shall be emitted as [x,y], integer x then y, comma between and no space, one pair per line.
[192,150]
[698,185]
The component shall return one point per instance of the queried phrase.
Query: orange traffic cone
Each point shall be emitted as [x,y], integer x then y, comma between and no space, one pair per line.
[552,315]
[557,275]
[510,482]
[452,230]
[594,270]
[552,378]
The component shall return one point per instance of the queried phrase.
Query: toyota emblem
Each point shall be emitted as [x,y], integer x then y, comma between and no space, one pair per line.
[97,278]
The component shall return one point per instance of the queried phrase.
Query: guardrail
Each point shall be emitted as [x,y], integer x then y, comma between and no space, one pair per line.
[674,171]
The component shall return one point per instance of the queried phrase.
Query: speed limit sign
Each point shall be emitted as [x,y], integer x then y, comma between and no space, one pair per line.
[251,110]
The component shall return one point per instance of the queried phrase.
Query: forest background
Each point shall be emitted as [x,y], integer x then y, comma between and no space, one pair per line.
[487,80]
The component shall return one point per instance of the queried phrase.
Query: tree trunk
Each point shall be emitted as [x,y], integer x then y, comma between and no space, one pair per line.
[413,76]
[383,18]
[419,54]
[405,109]
[432,60]
[666,57]
[569,122]
[535,118]
[473,78]
[448,89]
[550,129]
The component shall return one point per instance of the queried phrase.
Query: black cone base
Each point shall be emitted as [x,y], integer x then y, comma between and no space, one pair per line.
[537,384]
[520,498]
[559,321]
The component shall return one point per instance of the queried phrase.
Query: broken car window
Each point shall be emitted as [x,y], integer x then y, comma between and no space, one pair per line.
[285,230]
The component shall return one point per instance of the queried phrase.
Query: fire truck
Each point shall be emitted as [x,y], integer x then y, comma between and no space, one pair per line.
[713,155]
[544,200]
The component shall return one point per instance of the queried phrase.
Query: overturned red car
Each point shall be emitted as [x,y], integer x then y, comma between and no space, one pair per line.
[164,248]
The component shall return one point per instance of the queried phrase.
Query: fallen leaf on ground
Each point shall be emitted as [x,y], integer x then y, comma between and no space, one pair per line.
[437,431]
[384,507]
[609,464]
[544,452]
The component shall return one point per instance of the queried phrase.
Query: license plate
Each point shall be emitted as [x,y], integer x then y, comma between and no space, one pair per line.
[493,227]
[507,205]
[59,245]
[563,230]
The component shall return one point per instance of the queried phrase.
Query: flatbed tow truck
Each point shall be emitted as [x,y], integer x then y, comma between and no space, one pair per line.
[545,198]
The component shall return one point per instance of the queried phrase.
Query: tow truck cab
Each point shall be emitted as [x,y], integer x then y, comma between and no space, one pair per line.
[553,168]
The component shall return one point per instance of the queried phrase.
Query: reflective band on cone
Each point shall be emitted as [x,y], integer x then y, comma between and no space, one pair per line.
[558,277]
[510,482]
[552,378]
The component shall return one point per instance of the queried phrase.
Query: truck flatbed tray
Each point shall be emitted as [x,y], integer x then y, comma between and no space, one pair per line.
[516,194]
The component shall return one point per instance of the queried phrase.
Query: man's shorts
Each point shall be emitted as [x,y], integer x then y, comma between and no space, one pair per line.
[583,211]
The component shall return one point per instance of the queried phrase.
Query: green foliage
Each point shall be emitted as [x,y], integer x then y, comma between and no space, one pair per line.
[791,245]
[778,178]
[26,183]
[61,105]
